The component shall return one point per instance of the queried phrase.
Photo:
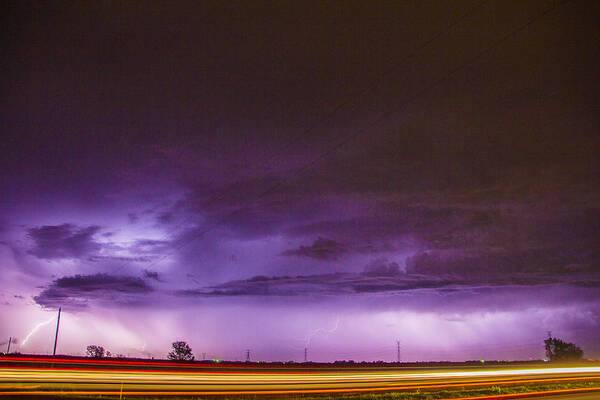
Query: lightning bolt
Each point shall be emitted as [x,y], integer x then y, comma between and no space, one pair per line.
[321,330]
[35,329]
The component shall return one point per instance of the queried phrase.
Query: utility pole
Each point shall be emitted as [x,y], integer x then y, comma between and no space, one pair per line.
[398,351]
[204,356]
[8,347]
[56,335]
[248,355]
[305,354]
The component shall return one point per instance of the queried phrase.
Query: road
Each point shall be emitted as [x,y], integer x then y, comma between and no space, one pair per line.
[576,396]
[29,377]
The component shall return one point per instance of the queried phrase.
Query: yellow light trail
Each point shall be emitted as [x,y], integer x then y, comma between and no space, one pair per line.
[281,377]
[52,381]
[129,393]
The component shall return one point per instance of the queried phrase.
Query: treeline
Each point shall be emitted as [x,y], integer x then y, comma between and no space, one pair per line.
[556,349]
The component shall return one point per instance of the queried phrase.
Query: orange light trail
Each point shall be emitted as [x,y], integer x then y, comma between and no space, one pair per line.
[74,380]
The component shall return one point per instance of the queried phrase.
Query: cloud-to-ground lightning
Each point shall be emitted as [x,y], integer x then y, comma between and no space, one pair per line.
[35,329]
[317,331]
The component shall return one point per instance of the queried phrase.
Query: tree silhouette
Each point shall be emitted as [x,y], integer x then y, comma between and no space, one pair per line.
[181,352]
[95,351]
[557,350]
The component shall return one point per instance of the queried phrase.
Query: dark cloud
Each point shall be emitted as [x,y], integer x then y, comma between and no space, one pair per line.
[96,258]
[151,275]
[133,217]
[79,291]
[444,271]
[381,267]
[493,263]
[321,249]
[165,218]
[351,283]
[70,241]
[321,284]
[150,246]
[245,213]
[277,285]
[63,241]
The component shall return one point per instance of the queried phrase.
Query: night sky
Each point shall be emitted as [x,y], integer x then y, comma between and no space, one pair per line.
[335,175]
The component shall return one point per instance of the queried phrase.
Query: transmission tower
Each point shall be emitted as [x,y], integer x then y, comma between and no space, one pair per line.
[398,351]
[305,354]
[248,355]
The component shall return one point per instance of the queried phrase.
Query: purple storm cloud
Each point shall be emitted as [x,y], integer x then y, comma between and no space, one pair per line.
[63,241]
[300,175]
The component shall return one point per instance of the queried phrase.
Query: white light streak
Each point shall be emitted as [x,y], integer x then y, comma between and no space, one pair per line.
[35,329]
